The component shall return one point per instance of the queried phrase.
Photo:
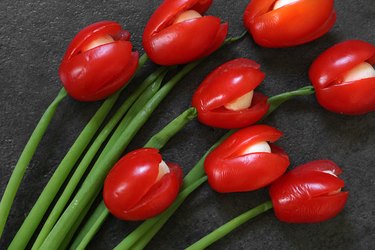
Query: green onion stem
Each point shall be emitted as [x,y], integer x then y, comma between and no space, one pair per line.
[66,242]
[91,227]
[95,178]
[157,141]
[163,136]
[145,90]
[277,100]
[137,107]
[236,38]
[144,233]
[230,226]
[45,199]
[25,158]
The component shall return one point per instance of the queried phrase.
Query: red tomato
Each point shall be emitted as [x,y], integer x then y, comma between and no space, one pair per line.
[327,74]
[225,84]
[295,23]
[229,169]
[169,39]
[98,62]
[309,193]
[133,189]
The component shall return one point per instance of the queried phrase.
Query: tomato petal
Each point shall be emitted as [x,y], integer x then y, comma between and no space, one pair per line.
[174,44]
[223,118]
[229,170]
[158,198]
[350,98]
[169,43]
[86,78]
[338,59]
[304,195]
[90,33]
[226,83]
[293,24]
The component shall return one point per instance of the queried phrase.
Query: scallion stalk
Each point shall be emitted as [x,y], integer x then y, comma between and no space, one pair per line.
[230,226]
[140,237]
[45,199]
[144,91]
[95,178]
[25,158]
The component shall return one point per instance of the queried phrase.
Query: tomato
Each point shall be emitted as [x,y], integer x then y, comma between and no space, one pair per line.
[280,23]
[177,33]
[309,193]
[232,80]
[141,185]
[98,62]
[245,161]
[341,82]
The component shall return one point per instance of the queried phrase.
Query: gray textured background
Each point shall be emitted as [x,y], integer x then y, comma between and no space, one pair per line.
[33,39]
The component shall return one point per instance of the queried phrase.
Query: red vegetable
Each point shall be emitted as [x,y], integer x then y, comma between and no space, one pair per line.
[177,33]
[344,78]
[284,23]
[216,99]
[98,62]
[245,161]
[309,193]
[141,185]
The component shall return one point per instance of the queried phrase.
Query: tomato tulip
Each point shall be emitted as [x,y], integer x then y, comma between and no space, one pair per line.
[309,193]
[245,161]
[285,23]
[344,78]
[98,62]
[177,33]
[141,185]
[226,99]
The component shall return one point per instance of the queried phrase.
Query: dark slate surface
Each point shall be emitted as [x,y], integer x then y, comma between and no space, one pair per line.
[33,38]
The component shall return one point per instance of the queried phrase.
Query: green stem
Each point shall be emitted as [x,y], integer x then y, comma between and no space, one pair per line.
[144,233]
[91,227]
[157,141]
[145,91]
[160,139]
[65,243]
[45,199]
[132,241]
[25,158]
[277,100]
[230,226]
[95,178]
[236,38]
[136,107]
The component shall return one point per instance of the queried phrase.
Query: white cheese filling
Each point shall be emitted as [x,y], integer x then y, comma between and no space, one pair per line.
[187,15]
[282,3]
[259,147]
[163,170]
[97,42]
[241,103]
[361,71]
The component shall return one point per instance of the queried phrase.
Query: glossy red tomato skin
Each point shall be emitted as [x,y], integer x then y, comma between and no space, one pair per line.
[351,98]
[230,171]
[131,191]
[302,194]
[94,74]
[226,83]
[294,24]
[170,44]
